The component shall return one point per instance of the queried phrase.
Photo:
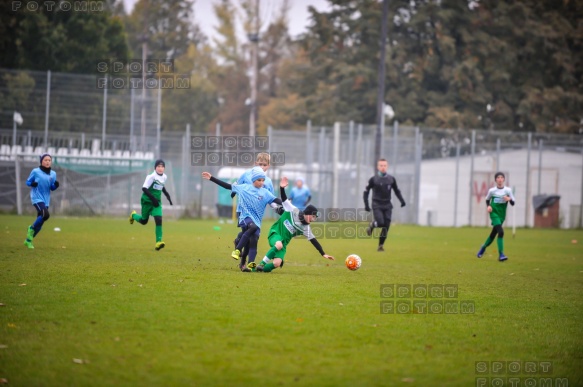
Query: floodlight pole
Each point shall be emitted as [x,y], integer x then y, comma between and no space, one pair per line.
[381,81]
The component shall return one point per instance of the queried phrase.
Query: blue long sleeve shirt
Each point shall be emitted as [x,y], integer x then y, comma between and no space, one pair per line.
[46,184]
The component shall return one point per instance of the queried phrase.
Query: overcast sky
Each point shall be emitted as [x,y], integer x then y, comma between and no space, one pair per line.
[298,15]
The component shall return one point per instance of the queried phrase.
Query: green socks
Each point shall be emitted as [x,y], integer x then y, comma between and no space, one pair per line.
[500,243]
[158,233]
[268,267]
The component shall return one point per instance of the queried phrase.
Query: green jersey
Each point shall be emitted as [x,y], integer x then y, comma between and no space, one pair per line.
[289,224]
[496,197]
[155,184]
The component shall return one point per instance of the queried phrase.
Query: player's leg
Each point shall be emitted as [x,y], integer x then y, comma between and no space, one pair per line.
[41,214]
[251,228]
[500,243]
[252,249]
[275,241]
[386,224]
[377,216]
[489,240]
[277,259]
[242,225]
[157,214]
[147,208]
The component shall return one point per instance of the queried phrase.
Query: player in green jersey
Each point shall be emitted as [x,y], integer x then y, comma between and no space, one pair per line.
[151,201]
[497,201]
[292,222]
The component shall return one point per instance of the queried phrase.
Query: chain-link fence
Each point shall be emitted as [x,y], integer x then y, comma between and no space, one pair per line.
[443,174]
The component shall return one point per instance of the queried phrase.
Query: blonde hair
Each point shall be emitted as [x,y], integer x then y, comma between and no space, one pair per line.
[263,157]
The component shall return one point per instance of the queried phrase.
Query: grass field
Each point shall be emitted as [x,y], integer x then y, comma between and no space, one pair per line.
[95,305]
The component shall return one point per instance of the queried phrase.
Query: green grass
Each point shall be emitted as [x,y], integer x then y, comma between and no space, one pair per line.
[98,292]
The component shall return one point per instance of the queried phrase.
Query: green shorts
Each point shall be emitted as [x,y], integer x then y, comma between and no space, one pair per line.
[274,237]
[496,220]
[149,209]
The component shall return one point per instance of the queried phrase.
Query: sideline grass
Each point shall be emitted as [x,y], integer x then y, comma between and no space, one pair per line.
[95,305]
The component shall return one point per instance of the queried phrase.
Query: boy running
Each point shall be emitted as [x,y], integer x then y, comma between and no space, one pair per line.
[151,200]
[497,201]
[42,180]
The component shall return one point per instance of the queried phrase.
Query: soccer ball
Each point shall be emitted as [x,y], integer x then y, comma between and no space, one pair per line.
[353,262]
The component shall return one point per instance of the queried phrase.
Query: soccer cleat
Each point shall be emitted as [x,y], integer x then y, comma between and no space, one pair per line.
[28,244]
[259,268]
[236,254]
[481,252]
[380,248]
[245,269]
[30,233]
[369,229]
[132,217]
[160,245]
[502,258]
[251,266]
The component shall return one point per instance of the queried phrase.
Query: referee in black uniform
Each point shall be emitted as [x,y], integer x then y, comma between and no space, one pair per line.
[381,184]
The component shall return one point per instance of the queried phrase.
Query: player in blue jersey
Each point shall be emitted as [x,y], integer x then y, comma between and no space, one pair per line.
[497,201]
[263,161]
[253,199]
[43,181]
[300,195]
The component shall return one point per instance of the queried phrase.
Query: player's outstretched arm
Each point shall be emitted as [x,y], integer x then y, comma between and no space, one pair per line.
[283,182]
[208,176]
[318,247]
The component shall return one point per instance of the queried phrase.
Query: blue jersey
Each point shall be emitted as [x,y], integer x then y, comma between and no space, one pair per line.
[252,202]
[46,184]
[246,179]
[300,196]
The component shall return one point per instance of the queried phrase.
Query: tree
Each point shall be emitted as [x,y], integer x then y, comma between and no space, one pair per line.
[51,38]
[164,25]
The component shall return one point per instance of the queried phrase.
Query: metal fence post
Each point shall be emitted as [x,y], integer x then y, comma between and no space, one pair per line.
[104,118]
[335,162]
[473,150]
[47,107]
[457,178]
[540,165]
[527,210]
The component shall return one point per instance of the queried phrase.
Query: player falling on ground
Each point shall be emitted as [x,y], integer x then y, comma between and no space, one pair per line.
[151,200]
[42,180]
[253,199]
[293,222]
[497,201]
[381,184]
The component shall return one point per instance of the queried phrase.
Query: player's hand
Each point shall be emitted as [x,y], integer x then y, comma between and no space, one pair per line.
[156,203]
[507,198]
[233,194]
[34,184]
[489,209]
[403,204]
[284,182]
[367,209]
[328,257]
[169,200]
[56,184]
[206,175]
[279,210]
